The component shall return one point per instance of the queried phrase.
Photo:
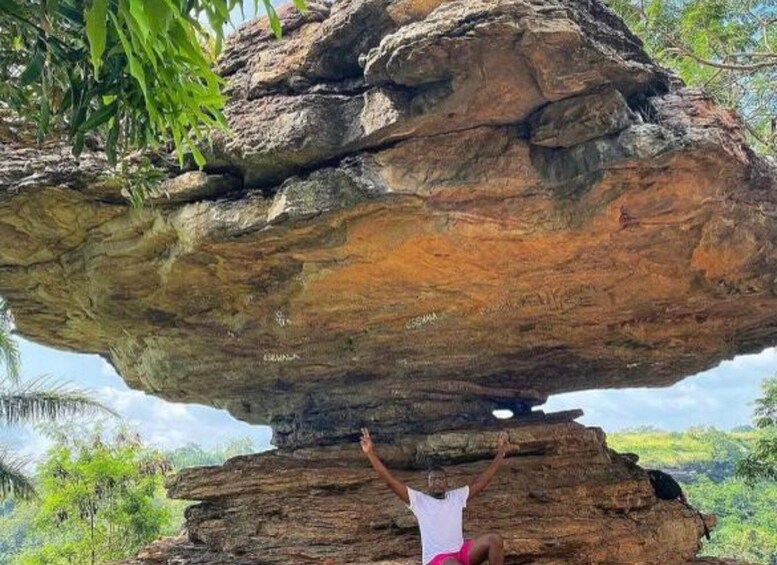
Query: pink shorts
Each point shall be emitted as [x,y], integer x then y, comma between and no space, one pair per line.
[462,555]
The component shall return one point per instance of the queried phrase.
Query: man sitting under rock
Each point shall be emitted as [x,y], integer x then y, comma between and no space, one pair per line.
[439,513]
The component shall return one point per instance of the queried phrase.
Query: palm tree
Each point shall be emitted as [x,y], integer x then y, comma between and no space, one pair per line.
[9,352]
[41,400]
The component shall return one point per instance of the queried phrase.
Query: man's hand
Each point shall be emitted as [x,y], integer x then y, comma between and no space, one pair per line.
[502,444]
[483,480]
[394,484]
[366,441]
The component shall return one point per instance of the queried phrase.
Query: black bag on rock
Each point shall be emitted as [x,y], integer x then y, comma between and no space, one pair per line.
[666,488]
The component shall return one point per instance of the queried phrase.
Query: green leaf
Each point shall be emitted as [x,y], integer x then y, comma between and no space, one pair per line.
[13,478]
[99,117]
[67,100]
[51,7]
[275,22]
[45,107]
[33,70]
[78,144]
[11,7]
[140,44]
[187,45]
[300,5]
[72,14]
[80,106]
[135,68]
[96,31]
[199,158]
[159,15]
[111,143]
[139,14]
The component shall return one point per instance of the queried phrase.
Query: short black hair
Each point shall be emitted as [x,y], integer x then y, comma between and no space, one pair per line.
[436,469]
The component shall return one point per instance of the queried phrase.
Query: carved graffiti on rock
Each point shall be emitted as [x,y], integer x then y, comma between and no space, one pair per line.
[282,319]
[418,321]
[280,357]
[554,300]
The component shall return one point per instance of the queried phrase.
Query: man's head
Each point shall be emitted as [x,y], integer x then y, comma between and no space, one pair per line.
[438,482]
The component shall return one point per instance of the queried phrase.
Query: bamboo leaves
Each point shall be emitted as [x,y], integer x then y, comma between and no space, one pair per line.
[96,17]
[33,71]
[136,73]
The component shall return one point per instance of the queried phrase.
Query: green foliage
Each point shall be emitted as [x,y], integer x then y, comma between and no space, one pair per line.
[704,460]
[15,523]
[9,351]
[702,446]
[30,403]
[139,72]
[193,455]
[43,400]
[138,181]
[100,500]
[12,477]
[761,463]
[765,415]
[117,483]
[726,46]
[38,401]
[747,525]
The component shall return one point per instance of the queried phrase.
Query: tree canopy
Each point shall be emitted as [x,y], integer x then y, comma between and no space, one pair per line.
[137,72]
[36,401]
[761,462]
[728,47]
[100,500]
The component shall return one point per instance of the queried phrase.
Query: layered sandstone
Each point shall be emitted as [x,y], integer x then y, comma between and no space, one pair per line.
[561,497]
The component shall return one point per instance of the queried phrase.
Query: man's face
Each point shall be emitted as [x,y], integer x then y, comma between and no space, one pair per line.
[438,483]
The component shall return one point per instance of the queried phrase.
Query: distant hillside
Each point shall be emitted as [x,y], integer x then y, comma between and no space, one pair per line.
[704,461]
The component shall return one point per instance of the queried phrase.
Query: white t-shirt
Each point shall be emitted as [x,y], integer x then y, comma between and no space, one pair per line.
[439,520]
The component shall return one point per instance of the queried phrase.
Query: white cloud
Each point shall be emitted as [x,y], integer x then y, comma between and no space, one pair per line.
[720,397]
[166,425]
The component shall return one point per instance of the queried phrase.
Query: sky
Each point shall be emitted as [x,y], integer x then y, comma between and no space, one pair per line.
[166,425]
[720,397]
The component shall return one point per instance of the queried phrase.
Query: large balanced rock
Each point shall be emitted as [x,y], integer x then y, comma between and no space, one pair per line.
[424,211]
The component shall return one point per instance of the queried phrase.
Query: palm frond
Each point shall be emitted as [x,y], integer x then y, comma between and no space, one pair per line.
[43,400]
[13,481]
[9,350]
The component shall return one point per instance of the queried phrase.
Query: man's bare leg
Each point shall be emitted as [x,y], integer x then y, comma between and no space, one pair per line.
[489,547]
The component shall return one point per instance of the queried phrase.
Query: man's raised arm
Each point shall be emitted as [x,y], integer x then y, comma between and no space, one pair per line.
[394,484]
[482,480]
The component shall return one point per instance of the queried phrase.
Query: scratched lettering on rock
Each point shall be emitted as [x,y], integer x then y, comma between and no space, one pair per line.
[282,319]
[280,357]
[555,300]
[418,321]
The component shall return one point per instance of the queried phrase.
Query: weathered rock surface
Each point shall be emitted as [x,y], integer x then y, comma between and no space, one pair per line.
[426,210]
[561,497]
[522,213]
